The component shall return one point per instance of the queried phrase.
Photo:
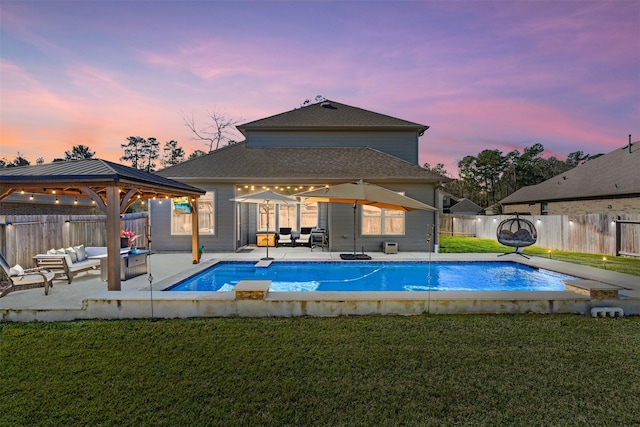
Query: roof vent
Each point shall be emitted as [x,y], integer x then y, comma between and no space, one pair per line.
[327,104]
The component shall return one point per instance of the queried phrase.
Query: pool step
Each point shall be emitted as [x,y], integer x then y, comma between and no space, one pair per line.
[592,289]
[263,263]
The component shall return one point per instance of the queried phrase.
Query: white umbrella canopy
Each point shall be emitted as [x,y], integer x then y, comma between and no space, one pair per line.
[266,197]
[363,193]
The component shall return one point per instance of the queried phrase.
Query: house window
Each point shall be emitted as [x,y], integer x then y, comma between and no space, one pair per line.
[376,221]
[288,216]
[544,208]
[309,214]
[266,212]
[181,223]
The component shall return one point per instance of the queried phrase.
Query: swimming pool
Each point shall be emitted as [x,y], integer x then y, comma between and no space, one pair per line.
[378,276]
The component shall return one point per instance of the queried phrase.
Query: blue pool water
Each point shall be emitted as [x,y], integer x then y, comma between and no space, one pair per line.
[378,276]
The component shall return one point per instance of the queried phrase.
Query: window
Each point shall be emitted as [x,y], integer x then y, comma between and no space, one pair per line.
[264,215]
[288,216]
[544,208]
[309,214]
[181,224]
[376,221]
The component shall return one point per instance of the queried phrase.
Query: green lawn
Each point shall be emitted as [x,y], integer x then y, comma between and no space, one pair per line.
[455,244]
[362,371]
[344,371]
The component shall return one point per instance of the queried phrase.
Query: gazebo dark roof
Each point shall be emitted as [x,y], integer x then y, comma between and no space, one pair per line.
[90,172]
[331,115]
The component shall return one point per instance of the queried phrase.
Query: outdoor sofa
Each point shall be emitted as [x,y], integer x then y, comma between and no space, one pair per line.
[67,263]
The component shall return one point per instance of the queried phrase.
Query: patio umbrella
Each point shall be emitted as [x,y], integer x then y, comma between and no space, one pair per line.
[363,193]
[266,197]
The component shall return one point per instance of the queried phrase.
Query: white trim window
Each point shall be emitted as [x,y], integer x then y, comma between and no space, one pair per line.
[288,216]
[309,214]
[262,216]
[382,222]
[181,223]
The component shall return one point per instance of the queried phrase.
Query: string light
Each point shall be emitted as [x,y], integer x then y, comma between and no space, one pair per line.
[75,202]
[31,197]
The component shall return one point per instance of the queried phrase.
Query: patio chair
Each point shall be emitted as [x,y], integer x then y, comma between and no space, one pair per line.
[305,237]
[285,237]
[27,278]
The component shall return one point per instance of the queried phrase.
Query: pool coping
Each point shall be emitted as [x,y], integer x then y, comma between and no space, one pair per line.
[141,301]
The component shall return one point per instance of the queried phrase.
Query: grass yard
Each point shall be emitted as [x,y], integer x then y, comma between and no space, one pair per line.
[457,244]
[345,371]
[362,371]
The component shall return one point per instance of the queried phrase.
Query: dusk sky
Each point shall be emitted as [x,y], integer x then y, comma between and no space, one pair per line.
[482,74]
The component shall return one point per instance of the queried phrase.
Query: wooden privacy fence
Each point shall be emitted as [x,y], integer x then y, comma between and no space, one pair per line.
[592,234]
[23,236]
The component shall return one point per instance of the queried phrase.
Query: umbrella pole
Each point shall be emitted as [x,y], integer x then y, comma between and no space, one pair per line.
[267,257]
[354,227]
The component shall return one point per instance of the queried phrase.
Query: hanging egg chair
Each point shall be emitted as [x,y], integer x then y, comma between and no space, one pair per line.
[517,233]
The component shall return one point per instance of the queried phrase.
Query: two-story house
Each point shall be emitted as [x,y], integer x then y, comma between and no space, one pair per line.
[320,144]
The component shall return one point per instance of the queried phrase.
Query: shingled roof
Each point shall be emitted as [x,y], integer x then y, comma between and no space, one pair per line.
[331,115]
[239,163]
[97,171]
[613,175]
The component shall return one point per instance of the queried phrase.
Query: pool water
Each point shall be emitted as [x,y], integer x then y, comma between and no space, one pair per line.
[378,276]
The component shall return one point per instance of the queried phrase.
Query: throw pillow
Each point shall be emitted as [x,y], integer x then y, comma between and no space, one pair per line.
[60,251]
[72,254]
[16,270]
[81,252]
[51,252]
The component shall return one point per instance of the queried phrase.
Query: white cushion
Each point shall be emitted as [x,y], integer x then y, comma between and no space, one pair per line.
[72,254]
[80,252]
[51,252]
[16,270]
[60,251]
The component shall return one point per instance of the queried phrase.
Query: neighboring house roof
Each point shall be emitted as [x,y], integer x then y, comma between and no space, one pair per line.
[465,205]
[239,163]
[331,115]
[613,175]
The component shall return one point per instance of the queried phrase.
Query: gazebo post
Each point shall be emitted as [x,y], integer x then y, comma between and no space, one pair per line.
[113,238]
[195,231]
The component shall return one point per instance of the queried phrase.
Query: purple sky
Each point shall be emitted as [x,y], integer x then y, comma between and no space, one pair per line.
[482,74]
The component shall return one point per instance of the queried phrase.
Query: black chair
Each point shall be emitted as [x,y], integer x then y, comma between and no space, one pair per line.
[284,237]
[305,237]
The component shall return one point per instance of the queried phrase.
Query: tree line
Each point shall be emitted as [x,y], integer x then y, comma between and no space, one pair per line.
[143,153]
[484,178]
[491,175]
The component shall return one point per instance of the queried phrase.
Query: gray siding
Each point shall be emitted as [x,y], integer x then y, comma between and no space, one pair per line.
[225,233]
[417,224]
[403,145]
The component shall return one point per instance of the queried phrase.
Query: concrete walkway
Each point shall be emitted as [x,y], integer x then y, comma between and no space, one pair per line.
[71,301]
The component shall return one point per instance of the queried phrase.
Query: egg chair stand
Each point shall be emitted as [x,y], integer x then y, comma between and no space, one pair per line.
[518,233]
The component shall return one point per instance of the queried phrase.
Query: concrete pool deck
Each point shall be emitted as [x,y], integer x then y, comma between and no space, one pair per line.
[87,296]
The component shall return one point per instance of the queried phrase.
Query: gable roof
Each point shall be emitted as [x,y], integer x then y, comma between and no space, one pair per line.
[614,174]
[239,163]
[465,205]
[331,115]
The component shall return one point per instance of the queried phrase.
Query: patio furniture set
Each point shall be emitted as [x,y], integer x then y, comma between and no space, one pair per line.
[67,263]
